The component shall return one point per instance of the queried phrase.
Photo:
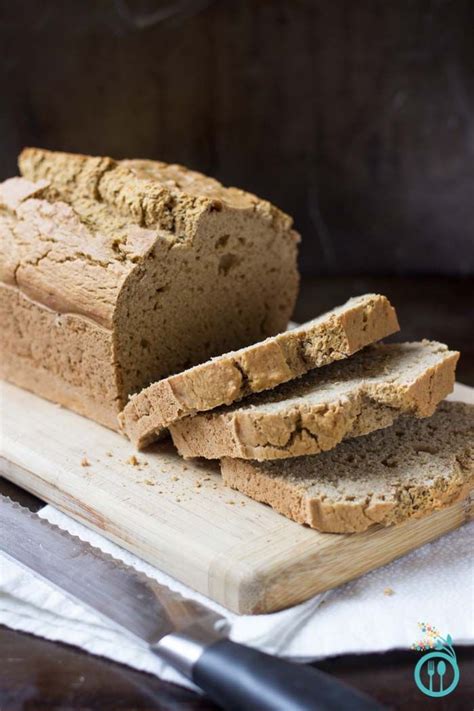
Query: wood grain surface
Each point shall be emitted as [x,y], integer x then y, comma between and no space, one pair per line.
[179,516]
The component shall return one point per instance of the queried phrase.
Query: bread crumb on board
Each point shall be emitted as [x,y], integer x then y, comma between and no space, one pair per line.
[133,461]
[85,462]
[389,591]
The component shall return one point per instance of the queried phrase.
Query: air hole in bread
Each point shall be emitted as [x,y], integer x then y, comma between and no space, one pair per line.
[222,241]
[227,262]
[428,449]
[390,462]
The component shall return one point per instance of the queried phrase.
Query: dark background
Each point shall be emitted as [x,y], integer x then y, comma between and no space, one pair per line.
[355,117]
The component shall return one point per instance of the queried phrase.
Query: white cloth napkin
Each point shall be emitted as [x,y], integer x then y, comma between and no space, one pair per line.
[377,612]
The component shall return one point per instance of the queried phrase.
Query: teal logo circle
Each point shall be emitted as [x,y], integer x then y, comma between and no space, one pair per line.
[434,667]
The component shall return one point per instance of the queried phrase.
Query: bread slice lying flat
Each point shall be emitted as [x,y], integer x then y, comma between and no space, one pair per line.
[227,378]
[314,413]
[408,470]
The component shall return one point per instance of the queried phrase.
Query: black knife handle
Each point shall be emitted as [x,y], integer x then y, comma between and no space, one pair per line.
[240,678]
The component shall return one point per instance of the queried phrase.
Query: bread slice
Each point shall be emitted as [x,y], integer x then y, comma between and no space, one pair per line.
[313,414]
[223,380]
[114,274]
[405,471]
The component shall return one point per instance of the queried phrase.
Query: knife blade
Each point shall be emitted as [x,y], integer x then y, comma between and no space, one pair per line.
[181,631]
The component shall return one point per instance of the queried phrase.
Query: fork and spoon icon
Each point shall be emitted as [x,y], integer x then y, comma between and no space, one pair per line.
[440,668]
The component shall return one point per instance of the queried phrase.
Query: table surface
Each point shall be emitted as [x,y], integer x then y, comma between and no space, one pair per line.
[37,674]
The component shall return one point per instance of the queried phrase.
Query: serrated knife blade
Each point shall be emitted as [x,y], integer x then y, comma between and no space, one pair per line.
[118,592]
[185,633]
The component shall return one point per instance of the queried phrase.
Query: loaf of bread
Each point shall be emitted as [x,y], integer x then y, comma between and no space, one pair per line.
[314,413]
[407,470]
[117,274]
[278,359]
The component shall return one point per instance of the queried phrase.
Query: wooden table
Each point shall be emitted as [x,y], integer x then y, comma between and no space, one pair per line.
[36,674]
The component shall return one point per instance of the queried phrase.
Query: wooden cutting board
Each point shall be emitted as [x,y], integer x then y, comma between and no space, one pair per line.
[178,516]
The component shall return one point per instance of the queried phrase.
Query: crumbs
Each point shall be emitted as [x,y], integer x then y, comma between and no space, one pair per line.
[85,462]
[133,461]
[389,592]
[178,487]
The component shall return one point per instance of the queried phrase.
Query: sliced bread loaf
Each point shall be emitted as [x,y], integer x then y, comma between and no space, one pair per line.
[314,413]
[225,379]
[117,273]
[408,470]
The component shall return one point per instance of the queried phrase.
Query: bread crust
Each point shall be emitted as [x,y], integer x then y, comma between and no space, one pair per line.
[158,266]
[407,471]
[228,378]
[347,399]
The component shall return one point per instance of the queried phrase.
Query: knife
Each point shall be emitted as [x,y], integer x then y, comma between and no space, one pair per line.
[182,632]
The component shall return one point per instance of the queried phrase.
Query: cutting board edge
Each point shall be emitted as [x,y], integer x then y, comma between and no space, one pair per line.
[328,573]
[275,568]
[245,590]
[90,516]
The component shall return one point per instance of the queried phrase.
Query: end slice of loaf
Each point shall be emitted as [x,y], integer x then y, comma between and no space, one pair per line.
[408,470]
[227,378]
[314,413]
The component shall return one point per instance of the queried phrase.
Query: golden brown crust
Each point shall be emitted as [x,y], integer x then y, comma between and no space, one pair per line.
[164,263]
[346,399]
[262,366]
[64,358]
[409,470]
